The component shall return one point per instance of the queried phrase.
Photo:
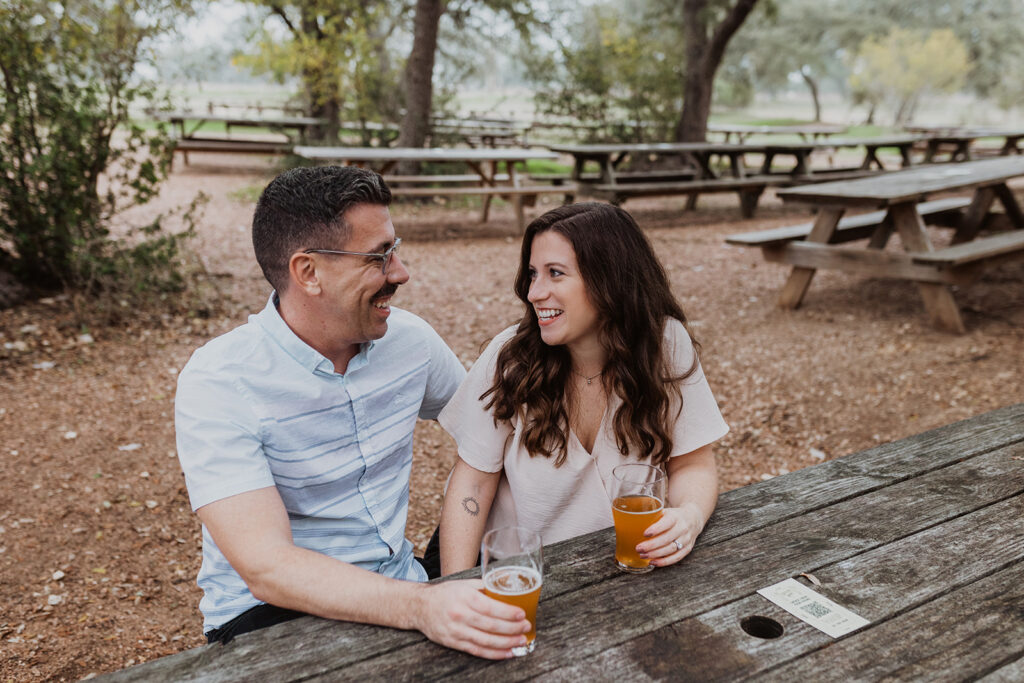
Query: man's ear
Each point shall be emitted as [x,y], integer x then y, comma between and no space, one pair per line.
[303,273]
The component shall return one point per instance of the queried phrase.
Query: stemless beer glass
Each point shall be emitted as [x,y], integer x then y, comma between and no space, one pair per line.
[638,497]
[512,565]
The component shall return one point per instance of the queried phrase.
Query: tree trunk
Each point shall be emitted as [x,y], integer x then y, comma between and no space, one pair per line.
[419,73]
[704,52]
[813,86]
[323,96]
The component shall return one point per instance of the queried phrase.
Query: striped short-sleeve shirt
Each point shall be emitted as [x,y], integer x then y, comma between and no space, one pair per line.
[258,407]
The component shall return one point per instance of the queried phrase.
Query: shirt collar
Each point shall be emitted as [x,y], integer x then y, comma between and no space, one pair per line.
[309,358]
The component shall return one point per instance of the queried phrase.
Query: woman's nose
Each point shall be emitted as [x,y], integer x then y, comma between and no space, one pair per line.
[537,291]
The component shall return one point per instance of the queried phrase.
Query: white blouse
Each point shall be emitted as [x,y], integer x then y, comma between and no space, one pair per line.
[562,502]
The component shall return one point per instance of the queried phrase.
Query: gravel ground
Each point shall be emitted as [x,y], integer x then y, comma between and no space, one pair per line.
[99,549]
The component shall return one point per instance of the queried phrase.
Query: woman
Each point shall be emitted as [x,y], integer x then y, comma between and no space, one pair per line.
[600,371]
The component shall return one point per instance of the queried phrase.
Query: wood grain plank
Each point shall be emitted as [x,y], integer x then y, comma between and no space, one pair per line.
[311,646]
[1012,672]
[956,637]
[575,624]
[878,585]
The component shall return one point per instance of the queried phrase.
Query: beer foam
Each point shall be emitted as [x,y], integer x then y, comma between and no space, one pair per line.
[512,580]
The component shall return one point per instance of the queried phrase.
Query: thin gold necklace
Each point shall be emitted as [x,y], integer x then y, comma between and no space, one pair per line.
[589,379]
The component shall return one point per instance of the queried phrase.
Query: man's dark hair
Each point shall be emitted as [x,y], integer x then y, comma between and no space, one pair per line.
[304,208]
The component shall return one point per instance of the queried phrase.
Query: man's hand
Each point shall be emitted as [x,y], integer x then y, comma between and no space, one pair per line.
[458,615]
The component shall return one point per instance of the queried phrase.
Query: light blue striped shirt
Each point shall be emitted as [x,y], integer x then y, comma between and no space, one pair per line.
[258,407]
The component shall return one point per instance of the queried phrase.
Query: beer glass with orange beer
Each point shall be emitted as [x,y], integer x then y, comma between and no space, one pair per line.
[638,497]
[512,566]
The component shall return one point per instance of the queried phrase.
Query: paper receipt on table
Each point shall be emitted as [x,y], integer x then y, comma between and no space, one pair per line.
[813,608]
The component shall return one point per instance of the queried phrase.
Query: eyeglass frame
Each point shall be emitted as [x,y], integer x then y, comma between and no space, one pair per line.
[386,256]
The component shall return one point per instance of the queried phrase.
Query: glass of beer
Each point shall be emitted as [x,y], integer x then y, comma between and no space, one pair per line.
[638,497]
[512,565]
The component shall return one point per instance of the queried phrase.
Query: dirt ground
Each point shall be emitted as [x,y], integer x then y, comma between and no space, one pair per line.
[99,549]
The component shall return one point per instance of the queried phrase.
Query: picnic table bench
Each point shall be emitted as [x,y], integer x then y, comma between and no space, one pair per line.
[900,197]
[920,537]
[188,125]
[484,162]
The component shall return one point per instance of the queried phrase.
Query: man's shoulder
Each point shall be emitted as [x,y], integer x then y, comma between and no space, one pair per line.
[235,346]
[406,328]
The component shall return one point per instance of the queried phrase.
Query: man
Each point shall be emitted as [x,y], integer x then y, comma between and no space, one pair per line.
[295,431]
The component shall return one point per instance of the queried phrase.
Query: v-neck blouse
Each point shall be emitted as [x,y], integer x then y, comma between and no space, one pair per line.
[562,502]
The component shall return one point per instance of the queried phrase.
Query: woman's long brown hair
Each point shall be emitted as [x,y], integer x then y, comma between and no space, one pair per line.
[628,286]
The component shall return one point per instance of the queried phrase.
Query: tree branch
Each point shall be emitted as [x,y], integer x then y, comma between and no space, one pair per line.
[725,31]
[279,11]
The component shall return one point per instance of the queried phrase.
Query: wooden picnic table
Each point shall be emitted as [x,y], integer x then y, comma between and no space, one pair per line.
[921,537]
[293,127]
[897,196]
[485,162]
[804,131]
[695,171]
[958,141]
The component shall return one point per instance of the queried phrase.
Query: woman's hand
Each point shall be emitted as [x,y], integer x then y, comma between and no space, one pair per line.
[680,524]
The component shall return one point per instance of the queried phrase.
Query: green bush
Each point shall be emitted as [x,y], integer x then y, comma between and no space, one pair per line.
[70,158]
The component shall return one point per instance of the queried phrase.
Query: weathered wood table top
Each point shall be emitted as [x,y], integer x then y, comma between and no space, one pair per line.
[909,185]
[921,537]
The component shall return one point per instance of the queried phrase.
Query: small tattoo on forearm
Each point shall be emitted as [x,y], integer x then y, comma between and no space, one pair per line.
[471,506]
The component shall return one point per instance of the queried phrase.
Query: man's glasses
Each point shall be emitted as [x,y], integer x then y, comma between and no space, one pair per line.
[385,257]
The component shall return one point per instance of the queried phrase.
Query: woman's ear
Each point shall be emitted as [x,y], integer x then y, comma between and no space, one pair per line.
[303,273]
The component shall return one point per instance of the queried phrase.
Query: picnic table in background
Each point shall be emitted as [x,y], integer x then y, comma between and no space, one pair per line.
[958,141]
[486,132]
[691,167]
[188,124]
[682,168]
[486,181]
[920,537]
[900,198]
[803,130]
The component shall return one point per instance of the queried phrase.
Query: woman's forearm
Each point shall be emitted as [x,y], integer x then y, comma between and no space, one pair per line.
[467,502]
[693,481]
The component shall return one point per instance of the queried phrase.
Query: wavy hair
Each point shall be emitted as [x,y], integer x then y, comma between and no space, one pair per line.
[627,285]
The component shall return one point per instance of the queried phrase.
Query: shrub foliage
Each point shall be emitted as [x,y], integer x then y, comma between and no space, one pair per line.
[71,159]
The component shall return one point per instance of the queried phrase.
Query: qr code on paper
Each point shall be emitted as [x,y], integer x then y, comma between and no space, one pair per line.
[816,609]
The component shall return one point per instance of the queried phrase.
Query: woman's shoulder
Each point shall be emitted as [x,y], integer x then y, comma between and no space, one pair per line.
[678,343]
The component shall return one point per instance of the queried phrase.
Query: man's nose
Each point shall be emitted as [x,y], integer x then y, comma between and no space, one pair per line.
[397,272]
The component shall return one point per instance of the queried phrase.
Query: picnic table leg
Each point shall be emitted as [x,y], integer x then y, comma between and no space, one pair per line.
[974,216]
[800,278]
[748,202]
[1013,210]
[486,179]
[938,298]
[907,161]
[871,157]
[802,167]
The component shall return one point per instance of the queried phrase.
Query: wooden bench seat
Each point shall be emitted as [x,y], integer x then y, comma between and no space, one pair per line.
[231,146]
[749,190]
[1001,246]
[623,177]
[861,226]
